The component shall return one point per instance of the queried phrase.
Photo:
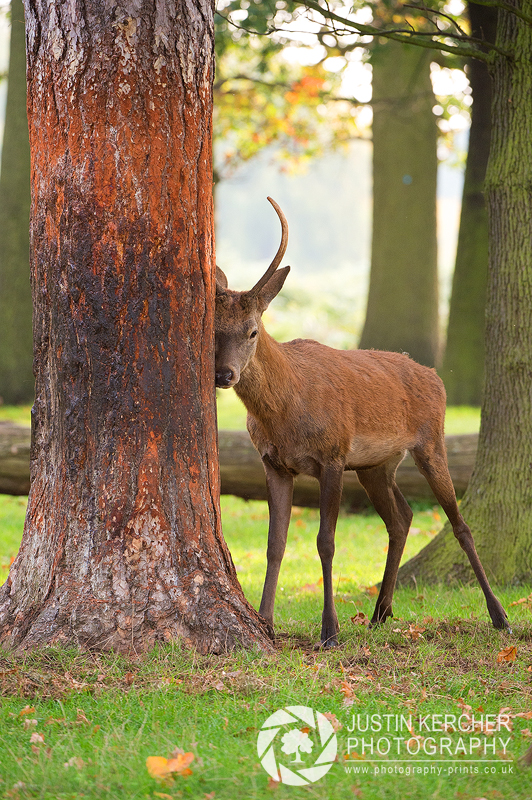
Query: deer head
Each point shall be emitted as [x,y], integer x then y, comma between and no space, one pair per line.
[238,321]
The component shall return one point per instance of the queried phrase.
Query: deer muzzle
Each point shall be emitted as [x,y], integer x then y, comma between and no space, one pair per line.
[225,378]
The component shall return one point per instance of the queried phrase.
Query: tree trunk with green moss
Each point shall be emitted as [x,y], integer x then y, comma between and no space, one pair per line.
[498,501]
[463,363]
[16,352]
[402,310]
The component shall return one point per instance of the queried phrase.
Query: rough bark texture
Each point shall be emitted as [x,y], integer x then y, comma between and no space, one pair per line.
[463,363]
[122,544]
[16,350]
[242,471]
[402,310]
[498,502]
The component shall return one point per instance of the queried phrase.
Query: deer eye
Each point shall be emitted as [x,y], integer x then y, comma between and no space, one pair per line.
[253,334]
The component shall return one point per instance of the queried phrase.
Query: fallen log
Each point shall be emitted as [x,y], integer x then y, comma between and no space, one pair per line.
[14,458]
[242,473]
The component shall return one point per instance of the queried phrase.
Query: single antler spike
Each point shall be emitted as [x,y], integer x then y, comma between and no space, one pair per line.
[278,256]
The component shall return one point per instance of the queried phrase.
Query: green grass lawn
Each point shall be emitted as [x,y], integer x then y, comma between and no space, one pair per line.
[82,725]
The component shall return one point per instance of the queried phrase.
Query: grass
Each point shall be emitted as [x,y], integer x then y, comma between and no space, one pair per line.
[19,414]
[82,725]
[95,719]
[78,725]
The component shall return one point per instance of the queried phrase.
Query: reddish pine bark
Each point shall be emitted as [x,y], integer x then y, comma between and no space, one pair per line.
[122,544]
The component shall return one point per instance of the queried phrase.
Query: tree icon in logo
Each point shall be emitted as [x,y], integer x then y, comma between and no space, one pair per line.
[294,741]
[315,736]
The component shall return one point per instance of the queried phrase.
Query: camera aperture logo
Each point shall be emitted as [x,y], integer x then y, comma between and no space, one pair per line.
[302,733]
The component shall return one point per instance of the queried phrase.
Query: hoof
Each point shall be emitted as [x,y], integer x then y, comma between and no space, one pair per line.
[327,644]
[270,630]
[375,622]
[503,625]
[499,617]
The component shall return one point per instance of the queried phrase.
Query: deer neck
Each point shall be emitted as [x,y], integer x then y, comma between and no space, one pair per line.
[265,382]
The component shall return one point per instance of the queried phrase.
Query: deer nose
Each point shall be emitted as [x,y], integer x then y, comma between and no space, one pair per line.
[224,378]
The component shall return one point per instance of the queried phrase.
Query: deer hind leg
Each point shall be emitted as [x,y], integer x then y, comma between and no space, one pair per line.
[330,494]
[432,463]
[280,485]
[382,490]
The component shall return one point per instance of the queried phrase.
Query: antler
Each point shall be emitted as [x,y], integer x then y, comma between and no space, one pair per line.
[279,255]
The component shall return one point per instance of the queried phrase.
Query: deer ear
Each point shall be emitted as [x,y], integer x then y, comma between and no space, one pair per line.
[221,281]
[273,287]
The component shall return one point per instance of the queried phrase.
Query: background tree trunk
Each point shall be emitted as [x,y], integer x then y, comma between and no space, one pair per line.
[16,351]
[498,501]
[122,544]
[402,310]
[463,363]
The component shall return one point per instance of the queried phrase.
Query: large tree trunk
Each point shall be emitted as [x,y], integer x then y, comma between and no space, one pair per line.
[498,501]
[463,363]
[122,544]
[16,351]
[402,310]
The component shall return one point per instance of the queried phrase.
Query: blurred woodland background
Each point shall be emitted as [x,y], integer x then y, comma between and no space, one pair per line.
[363,145]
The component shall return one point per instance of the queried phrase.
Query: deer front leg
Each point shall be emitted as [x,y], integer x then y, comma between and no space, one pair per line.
[330,495]
[280,486]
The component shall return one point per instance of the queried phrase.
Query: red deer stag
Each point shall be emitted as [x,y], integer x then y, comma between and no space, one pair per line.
[319,411]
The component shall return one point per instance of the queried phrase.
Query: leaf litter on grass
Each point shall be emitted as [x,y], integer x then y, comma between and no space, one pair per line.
[421,665]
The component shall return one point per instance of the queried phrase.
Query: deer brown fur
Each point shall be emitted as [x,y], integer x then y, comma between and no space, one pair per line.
[319,411]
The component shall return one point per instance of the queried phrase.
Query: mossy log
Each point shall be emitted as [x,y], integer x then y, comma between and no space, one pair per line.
[242,473]
[14,459]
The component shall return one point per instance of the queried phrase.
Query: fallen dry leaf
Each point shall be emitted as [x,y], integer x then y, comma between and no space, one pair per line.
[26,710]
[360,619]
[74,683]
[75,761]
[507,654]
[37,738]
[160,767]
[527,600]
[81,719]
[346,689]
[333,719]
